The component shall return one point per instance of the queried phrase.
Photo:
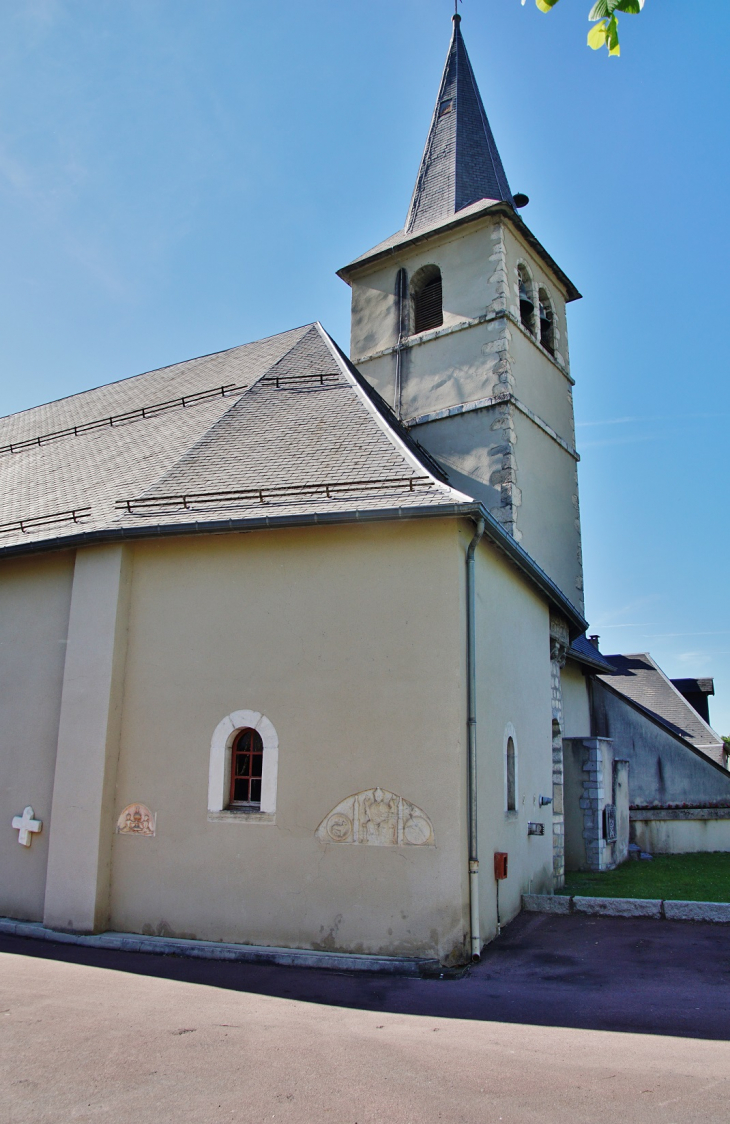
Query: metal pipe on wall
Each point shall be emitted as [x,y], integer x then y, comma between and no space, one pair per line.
[471,707]
[401,300]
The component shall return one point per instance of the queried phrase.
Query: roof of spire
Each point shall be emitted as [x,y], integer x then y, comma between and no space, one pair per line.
[460,163]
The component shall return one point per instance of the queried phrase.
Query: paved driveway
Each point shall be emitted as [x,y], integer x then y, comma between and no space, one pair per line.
[544,1029]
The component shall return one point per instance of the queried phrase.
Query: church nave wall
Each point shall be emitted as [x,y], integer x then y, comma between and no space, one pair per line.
[513,700]
[35,596]
[350,641]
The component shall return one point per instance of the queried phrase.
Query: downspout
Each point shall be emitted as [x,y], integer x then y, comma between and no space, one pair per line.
[401,295]
[471,707]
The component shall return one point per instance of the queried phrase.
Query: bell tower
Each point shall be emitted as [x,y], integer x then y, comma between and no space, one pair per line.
[459,322]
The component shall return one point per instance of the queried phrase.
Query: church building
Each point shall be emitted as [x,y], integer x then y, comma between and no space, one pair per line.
[291,642]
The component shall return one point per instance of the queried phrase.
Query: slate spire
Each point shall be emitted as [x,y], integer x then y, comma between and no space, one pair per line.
[460,163]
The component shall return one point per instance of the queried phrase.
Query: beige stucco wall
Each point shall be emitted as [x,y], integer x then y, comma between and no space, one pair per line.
[678,837]
[349,640]
[352,641]
[547,517]
[513,692]
[35,595]
[540,384]
[468,277]
[576,707]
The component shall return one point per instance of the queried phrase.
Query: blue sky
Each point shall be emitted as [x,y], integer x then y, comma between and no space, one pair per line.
[180,176]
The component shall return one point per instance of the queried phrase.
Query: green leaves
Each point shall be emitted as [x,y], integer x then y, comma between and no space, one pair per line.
[604,9]
[605,33]
[603,16]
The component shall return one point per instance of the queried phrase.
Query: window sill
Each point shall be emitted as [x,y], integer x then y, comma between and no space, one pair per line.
[241,815]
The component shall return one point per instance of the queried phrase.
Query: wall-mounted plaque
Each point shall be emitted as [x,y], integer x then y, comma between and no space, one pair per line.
[610,830]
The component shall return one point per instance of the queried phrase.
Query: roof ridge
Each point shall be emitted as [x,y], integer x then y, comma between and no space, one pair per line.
[251,386]
[685,703]
[151,371]
[126,417]
[390,424]
[686,707]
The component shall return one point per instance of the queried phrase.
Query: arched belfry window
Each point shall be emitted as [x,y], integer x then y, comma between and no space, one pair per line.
[427,299]
[547,332]
[527,300]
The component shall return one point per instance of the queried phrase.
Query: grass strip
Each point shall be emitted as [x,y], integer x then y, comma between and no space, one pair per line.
[701,877]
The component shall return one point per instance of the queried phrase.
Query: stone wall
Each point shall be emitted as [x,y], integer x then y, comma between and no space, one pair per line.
[559,642]
[597,787]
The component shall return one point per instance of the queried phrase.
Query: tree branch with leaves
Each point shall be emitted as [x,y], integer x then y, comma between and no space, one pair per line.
[602,15]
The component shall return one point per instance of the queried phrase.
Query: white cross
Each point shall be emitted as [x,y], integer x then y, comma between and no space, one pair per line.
[25,824]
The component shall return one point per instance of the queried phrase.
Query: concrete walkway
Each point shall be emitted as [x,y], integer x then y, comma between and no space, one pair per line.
[86,1036]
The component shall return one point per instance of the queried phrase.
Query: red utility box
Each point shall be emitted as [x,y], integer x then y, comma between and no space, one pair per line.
[500,865]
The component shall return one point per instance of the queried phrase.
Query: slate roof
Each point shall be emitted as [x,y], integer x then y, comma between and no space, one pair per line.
[641,680]
[584,651]
[282,425]
[460,163]
[277,432]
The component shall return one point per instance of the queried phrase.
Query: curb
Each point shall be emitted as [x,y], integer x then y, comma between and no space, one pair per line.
[717,912]
[251,954]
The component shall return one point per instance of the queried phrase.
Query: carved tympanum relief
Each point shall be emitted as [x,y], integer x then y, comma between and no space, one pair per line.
[136,819]
[379,818]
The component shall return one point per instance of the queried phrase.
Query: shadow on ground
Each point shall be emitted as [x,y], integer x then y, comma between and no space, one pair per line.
[608,973]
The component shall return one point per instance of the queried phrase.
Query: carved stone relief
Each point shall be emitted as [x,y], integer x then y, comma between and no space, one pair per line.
[378,818]
[136,819]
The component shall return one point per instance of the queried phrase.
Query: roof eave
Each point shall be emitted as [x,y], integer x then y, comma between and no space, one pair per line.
[493,208]
[597,664]
[493,531]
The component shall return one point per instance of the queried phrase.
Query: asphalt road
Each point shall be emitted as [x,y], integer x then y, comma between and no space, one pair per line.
[566,1019]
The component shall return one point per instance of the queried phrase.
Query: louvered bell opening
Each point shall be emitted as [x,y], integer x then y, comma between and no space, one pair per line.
[546,328]
[527,307]
[428,306]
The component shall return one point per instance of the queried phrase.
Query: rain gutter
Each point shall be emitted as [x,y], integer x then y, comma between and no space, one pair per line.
[492,530]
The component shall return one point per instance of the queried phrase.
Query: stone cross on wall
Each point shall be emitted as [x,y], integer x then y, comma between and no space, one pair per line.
[25,824]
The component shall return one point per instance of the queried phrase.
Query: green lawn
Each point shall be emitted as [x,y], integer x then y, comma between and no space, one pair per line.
[698,877]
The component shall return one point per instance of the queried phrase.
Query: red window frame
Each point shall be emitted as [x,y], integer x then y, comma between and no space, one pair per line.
[247,760]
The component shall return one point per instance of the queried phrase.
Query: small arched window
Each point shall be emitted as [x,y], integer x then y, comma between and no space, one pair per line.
[511,765]
[247,760]
[240,789]
[527,300]
[427,299]
[547,333]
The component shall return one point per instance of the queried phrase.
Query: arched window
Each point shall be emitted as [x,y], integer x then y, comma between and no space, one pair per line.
[243,768]
[511,764]
[527,300]
[547,335]
[427,299]
[247,761]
